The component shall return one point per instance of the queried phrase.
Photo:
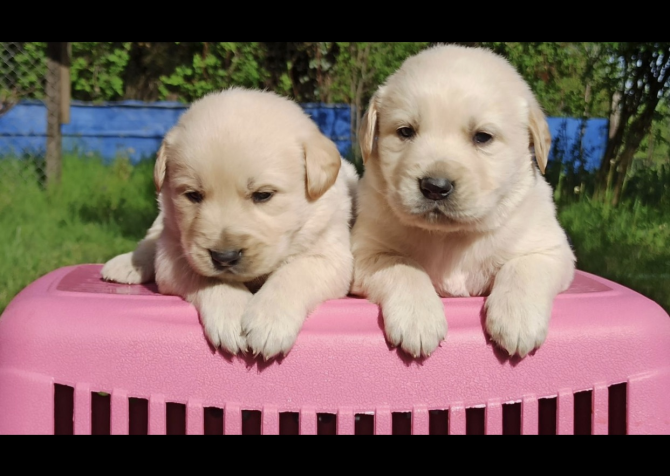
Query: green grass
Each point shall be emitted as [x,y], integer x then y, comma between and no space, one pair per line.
[96,213]
[102,210]
[629,244]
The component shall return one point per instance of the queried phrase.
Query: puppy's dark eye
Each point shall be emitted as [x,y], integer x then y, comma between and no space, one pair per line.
[406,132]
[195,197]
[482,138]
[260,197]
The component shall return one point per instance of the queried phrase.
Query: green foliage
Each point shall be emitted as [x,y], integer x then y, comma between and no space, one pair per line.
[567,77]
[655,147]
[650,186]
[359,69]
[96,70]
[638,79]
[218,66]
[366,65]
[570,78]
[22,71]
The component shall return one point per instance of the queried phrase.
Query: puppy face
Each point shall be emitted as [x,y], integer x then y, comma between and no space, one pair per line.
[450,134]
[239,175]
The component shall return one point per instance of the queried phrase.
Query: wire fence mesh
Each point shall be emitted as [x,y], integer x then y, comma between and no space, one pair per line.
[23,75]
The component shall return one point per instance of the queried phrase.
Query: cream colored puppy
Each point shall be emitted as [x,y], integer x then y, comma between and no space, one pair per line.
[452,204]
[251,194]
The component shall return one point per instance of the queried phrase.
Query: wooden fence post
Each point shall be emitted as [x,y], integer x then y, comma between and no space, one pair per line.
[58,105]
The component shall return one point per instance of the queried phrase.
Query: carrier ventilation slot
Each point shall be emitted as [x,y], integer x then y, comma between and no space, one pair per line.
[438,422]
[213,421]
[63,410]
[100,413]
[617,423]
[509,416]
[546,421]
[583,411]
[251,422]
[364,424]
[475,421]
[401,423]
[289,423]
[138,416]
[326,424]
[175,418]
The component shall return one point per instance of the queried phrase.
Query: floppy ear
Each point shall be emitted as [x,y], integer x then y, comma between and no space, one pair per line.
[161,161]
[322,164]
[159,168]
[367,134]
[540,137]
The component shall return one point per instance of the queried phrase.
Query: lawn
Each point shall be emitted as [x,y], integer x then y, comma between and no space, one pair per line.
[102,210]
[98,212]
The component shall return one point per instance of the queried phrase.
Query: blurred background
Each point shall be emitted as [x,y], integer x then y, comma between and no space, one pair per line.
[80,124]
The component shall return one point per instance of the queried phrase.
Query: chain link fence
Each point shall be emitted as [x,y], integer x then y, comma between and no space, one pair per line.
[22,76]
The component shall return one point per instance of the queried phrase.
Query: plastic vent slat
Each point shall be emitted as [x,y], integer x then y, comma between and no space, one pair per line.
[270,425]
[494,418]
[157,414]
[232,419]
[82,409]
[120,412]
[457,422]
[420,420]
[529,416]
[195,418]
[308,424]
[346,422]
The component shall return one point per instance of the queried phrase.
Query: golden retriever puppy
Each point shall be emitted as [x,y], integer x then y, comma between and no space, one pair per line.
[452,204]
[252,196]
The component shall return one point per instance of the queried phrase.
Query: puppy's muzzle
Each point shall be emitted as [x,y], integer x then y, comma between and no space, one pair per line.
[434,188]
[225,259]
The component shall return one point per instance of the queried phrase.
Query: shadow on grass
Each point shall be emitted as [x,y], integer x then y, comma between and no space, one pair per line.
[120,195]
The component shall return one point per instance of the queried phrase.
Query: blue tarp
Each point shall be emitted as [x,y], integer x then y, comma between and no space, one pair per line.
[134,129]
[565,134]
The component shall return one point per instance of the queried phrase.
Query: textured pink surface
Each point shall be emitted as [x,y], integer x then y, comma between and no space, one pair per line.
[73,329]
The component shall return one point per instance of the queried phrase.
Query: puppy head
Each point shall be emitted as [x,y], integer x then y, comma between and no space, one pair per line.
[239,175]
[448,137]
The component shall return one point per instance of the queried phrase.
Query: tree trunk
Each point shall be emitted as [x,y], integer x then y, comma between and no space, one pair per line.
[614,139]
[638,129]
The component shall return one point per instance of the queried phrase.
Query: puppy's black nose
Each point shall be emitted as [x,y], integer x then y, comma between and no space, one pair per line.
[225,259]
[435,188]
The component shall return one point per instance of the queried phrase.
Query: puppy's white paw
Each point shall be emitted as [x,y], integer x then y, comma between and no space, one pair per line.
[516,323]
[220,307]
[121,269]
[222,328]
[271,327]
[416,325]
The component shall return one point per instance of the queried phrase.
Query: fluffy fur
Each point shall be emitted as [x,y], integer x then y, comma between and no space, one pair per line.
[464,119]
[252,196]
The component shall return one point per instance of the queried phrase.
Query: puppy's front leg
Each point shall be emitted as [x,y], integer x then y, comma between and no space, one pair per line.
[137,266]
[413,313]
[519,306]
[274,317]
[220,306]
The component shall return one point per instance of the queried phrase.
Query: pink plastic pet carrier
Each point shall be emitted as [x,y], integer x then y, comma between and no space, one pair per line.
[79,355]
